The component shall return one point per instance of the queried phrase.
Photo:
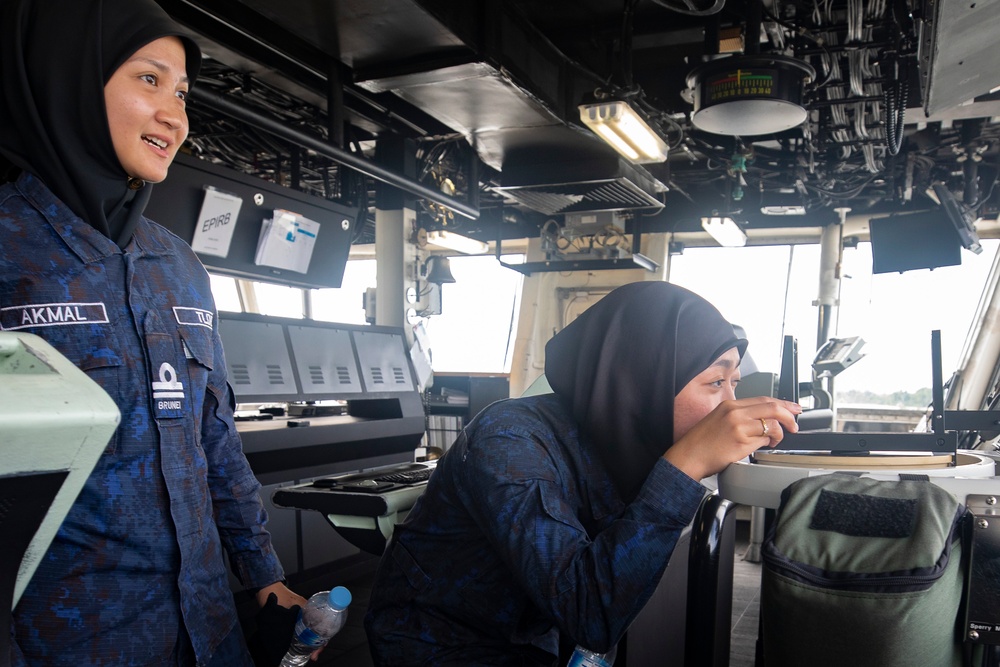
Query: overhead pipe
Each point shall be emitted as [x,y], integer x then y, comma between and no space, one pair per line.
[250,116]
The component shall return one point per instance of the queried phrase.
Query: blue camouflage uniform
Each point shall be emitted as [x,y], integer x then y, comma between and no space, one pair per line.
[136,574]
[522,534]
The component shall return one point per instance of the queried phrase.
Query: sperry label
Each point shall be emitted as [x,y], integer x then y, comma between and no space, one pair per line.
[193,316]
[985,627]
[51,315]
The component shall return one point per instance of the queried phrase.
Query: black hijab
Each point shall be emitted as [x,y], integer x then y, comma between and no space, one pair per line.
[620,364]
[55,58]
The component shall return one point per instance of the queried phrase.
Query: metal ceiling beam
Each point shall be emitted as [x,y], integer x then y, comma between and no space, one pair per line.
[226,106]
[242,33]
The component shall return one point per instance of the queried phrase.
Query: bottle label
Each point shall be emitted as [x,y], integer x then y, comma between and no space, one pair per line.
[583,660]
[306,636]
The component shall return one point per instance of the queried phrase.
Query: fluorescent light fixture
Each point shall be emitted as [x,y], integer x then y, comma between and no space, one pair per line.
[621,126]
[457,242]
[725,231]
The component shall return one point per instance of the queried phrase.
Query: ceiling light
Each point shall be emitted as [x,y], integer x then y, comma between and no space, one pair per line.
[725,231]
[625,130]
[457,242]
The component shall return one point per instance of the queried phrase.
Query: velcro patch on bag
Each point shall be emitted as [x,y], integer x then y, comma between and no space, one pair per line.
[860,515]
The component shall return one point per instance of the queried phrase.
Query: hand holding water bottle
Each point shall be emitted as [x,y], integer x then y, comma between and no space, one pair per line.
[322,618]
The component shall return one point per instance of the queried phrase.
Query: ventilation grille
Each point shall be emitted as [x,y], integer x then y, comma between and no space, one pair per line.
[583,197]
[241,374]
[578,184]
[343,375]
[274,375]
[397,376]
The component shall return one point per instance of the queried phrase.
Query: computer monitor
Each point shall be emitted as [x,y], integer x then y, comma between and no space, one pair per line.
[921,240]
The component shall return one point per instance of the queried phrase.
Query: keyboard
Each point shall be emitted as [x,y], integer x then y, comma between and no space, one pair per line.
[382,494]
[407,477]
[379,481]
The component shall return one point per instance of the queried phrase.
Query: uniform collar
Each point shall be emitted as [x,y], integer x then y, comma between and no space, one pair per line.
[85,241]
[150,240]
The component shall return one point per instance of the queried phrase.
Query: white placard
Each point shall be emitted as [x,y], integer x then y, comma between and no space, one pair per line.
[216,222]
[287,241]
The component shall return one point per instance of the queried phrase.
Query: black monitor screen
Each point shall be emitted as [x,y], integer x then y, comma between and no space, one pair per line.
[924,240]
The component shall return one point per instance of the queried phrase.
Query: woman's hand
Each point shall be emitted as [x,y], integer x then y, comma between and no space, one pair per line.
[731,432]
[276,620]
[287,598]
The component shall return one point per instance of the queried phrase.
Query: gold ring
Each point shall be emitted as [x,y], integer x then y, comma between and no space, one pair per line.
[764,428]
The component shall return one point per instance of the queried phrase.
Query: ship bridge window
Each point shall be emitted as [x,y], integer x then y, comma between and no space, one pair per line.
[767,290]
[896,312]
[771,291]
[476,329]
[278,300]
[227,296]
[346,304]
[473,334]
[251,296]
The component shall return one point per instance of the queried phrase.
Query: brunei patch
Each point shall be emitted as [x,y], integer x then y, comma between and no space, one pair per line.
[168,394]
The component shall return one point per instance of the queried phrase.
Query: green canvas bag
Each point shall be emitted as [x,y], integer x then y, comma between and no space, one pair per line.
[861,572]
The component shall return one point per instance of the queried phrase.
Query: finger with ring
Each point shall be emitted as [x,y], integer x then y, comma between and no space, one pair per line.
[764,427]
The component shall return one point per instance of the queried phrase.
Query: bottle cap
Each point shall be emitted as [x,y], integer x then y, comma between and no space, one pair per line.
[340,597]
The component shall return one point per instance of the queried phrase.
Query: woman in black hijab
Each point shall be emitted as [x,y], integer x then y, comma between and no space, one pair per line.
[92,110]
[55,58]
[553,517]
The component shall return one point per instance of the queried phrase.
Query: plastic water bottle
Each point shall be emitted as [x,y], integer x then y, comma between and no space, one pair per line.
[322,618]
[583,657]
